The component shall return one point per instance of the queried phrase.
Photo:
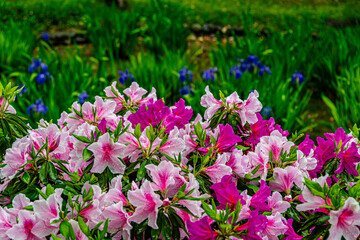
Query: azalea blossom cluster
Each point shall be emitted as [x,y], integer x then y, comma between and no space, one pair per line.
[130,167]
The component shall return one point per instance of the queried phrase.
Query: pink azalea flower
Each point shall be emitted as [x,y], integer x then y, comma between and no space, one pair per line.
[193,206]
[312,202]
[8,107]
[257,158]
[249,108]
[135,93]
[147,203]
[284,179]
[218,170]
[305,163]
[239,163]
[276,143]
[210,103]
[15,157]
[92,213]
[174,145]
[277,204]
[163,176]
[115,194]
[76,155]
[118,219]
[77,230]
[19,202]
[47,210]
[345,221]
[274,227]
[24,229]
[117,98]
[4,224]
[107,154]
[130,146]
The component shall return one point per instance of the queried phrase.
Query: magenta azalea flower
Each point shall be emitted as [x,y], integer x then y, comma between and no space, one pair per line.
[147,203]
[152,113]
[226,192]
[258,201]
[349,160]
[307,145]
[107,154]
[201,230]
[291,234]
[226,139]
[338,136]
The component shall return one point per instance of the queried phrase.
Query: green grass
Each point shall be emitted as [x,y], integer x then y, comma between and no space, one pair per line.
[268,13]
[149,39]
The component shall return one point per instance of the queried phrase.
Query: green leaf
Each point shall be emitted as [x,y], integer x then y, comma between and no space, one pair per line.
[165,226]
[137,131]
[55,237]
[52,172]
[41,193]
[44,170]
[87,154]
[82,138]
[315,188]
[142,171]
[104,231]
[30,208]
[210,212]
[256,169]
[84,228]
[67,230]
[49,189]
[26,178]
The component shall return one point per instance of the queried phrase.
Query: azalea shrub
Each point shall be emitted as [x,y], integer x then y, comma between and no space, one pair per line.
[128,166]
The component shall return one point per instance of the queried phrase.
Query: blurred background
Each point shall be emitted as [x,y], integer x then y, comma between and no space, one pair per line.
[302,56]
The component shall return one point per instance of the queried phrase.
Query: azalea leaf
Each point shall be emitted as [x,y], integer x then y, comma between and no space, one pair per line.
[26,178]
[165,226]
[210,212]
[52,172]
[43,173]
[142,170]
[315,188]
[67,230]
[82,138]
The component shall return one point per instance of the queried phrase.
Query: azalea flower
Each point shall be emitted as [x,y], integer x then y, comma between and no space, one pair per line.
[147,203]
[107,154]
[345,221]
[284,179]
[201,230]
